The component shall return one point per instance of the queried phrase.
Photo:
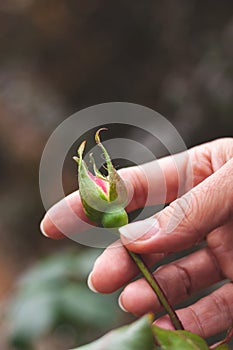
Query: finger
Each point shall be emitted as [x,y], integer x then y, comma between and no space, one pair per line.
[161,181]
[210,315]
[179,280]
[66,217]
[188,219]
[139,181]
[114,268]
[221,243]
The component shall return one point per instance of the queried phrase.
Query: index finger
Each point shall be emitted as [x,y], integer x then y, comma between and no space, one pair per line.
[156,182]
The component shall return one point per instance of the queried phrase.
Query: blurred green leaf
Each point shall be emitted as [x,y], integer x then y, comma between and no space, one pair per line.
[137,336]
[69,264]
[54,293]
[32,317]
[81,305]
[182,340]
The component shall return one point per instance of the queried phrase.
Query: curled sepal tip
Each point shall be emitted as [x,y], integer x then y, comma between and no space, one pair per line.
[97,135]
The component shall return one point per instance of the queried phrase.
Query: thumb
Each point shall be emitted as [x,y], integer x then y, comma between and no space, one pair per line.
[187,220]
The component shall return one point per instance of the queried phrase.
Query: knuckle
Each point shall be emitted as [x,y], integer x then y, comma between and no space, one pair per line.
[223,308]
[201,167]
[184,215]
[185,279]
[137,179]
[198,321]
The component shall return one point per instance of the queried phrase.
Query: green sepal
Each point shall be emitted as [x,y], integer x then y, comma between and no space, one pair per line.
[96,170]
[90,193]
[117,189]
[99,206]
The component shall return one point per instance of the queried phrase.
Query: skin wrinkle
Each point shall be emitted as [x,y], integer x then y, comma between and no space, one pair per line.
[221,244]
[181,207]
[226,313]
[198,321]
[162,280]
[198,233]
[221,156]
[201,168]
[229,200]
[215,263]
[194,203]
[216,245]
[164,283]
[185,278]
[220,184]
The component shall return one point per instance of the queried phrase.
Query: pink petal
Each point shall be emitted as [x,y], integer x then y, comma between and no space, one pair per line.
[99,182]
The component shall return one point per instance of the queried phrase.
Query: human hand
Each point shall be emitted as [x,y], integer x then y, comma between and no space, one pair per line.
[202,212]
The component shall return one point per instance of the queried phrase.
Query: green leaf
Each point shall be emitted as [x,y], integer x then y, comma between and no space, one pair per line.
[137,336]
[182,340]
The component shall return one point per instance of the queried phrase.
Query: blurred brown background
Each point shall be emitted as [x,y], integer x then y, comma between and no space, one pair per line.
[57,57]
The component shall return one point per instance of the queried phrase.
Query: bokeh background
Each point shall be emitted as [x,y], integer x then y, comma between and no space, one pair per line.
[58,57]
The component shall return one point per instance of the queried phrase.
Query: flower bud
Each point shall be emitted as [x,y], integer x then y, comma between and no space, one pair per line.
[103,197]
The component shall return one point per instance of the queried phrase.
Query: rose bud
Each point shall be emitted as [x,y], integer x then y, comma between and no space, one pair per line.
[103,197]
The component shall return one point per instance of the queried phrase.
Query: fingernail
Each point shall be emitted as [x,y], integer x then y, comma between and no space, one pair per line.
[140,230]
[90,285]
[120,304]
[42,229]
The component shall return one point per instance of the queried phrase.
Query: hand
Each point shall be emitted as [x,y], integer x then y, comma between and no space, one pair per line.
[203,212]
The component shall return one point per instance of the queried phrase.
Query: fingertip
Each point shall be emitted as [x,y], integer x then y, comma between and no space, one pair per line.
[42,229]
[120,303]
[49,229]
[90,284]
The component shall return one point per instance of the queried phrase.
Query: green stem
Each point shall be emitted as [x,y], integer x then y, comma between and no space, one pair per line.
[157,289]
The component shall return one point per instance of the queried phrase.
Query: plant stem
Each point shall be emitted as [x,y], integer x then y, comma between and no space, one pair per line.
[157,289]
